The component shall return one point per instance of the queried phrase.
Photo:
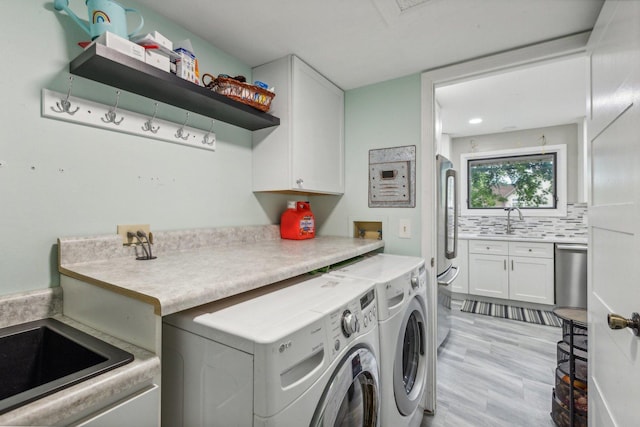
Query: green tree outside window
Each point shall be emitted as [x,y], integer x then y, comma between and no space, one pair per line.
[521,181]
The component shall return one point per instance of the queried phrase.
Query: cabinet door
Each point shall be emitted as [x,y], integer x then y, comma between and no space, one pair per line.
[531,279]
[488,275]
[318,132]
[461,284]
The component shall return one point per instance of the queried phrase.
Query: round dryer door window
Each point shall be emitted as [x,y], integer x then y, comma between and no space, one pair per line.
[410,363]
[351,399]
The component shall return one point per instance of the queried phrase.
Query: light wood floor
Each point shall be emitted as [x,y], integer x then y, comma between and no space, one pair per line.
[494,372]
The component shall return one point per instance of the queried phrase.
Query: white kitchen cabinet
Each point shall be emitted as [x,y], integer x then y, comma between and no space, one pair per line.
[461,284]
[521,271]
[488,275]
[306,152]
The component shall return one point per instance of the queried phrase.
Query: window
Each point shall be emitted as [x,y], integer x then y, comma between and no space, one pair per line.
[527,181]
[532,179]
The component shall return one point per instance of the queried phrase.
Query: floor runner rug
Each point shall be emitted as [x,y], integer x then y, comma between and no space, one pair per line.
[539,317]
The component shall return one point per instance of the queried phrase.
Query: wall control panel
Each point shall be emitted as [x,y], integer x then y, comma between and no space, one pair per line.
[392,177]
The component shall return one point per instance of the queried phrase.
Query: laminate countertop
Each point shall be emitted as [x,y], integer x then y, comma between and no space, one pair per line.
[196,267]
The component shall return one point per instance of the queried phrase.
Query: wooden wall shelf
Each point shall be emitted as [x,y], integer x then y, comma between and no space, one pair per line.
[108,66]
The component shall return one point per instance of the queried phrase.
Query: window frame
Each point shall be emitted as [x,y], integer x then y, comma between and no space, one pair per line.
[561,180]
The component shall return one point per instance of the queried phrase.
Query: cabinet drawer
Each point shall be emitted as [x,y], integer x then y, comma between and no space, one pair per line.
[493,247]
[530,249]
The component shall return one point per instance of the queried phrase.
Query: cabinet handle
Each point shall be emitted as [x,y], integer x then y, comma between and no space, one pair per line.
[511,265]
[505,264]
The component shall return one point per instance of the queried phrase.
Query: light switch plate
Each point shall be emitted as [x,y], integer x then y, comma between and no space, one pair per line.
[404,231]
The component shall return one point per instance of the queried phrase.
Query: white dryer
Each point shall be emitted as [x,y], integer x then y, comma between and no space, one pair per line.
[404,345]
[302,355]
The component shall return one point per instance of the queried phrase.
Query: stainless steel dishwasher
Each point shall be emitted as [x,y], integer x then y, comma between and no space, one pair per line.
[571,275]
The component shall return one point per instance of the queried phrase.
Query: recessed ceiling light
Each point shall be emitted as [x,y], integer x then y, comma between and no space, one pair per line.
[475,121]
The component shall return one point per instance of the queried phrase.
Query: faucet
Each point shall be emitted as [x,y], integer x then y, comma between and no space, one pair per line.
[509,210]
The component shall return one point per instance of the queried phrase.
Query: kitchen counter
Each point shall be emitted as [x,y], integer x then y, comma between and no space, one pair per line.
[197,267]
[69,402]
[525,238]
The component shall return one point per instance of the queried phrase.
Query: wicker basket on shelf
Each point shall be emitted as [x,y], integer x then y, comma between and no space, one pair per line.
[246,93]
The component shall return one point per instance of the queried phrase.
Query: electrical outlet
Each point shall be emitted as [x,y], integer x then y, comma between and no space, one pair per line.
[123,229]
[405,229]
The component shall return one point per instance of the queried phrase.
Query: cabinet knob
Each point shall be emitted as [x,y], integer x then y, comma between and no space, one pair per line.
[299,181]
[616,321]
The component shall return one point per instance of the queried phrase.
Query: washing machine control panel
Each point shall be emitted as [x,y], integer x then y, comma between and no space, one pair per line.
[354,319]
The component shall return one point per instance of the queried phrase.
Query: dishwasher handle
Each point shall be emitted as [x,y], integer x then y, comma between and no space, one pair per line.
[572,247]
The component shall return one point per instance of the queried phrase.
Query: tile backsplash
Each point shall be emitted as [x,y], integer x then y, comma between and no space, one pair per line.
[573,225]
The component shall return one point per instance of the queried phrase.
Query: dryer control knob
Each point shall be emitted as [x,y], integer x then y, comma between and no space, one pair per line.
[415,282]
[349,323]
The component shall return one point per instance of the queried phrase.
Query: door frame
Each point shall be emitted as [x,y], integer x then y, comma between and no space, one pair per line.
[561,48]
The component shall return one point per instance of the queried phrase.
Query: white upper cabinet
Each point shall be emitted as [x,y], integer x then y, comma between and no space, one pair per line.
[306,152]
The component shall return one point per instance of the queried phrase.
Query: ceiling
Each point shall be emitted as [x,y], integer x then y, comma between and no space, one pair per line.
[537,96]
[356,43]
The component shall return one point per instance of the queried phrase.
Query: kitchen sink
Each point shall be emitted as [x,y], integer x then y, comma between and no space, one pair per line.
[44,356]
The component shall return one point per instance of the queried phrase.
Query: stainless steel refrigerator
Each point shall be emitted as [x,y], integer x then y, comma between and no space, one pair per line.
[447,245]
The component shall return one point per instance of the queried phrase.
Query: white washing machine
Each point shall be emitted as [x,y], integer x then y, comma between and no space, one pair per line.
[302,355]
[402,321]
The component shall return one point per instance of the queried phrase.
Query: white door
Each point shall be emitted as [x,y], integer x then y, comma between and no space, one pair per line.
[614,214]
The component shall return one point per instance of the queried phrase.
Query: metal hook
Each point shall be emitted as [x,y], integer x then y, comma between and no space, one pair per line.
[64,105]
[148,125]
[208,138]
[180,132]
[110,116]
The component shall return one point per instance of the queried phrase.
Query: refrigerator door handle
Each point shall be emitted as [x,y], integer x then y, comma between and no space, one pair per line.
[449,280]
[451,186]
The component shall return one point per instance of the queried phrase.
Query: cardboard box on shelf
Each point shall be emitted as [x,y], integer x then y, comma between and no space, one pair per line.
[187,64]
[155,38]
[122,45]
[157,59]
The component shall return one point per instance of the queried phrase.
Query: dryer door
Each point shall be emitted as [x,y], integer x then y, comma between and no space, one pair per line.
[352,397]
[410,359]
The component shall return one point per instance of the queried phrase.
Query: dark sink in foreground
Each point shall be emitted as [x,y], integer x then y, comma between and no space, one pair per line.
[41,357]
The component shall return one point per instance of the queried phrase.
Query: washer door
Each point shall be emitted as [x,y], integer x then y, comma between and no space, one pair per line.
[410,359]
[352,396]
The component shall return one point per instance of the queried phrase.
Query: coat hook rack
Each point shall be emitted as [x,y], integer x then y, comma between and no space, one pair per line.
[180,133]
[110,116]
[64,105]
[135,123]
[148,125]
[209,138]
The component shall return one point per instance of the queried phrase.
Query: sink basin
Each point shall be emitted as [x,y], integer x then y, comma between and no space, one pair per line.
[41,357]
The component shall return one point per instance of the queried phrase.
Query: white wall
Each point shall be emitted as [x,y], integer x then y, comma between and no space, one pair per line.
[568,135]
[60,179]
